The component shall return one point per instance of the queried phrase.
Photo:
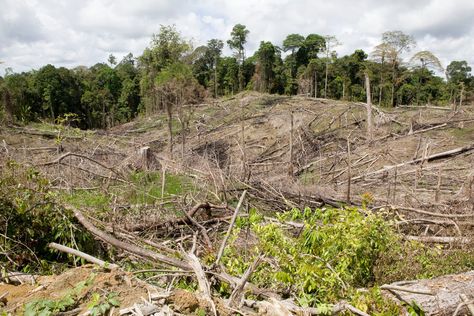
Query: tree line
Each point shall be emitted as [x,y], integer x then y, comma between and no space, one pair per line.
[171,73]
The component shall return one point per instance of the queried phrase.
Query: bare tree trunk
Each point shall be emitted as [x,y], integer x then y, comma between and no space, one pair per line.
[349,171]
[242,142]
[462,94]
[169,110]
[290,164]
[439,296]
[215,77]
[315,84]
[369,108]
[326,82]
[381,82]
[183,137]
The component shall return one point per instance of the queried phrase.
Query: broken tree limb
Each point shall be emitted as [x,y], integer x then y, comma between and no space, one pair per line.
[82,255]
[441,155]
[204,287]
[229,230]
[468,303]
[415,210]
[236,297]
[446,290]
[126,246]
[68,154]
[174,222]
[440,239]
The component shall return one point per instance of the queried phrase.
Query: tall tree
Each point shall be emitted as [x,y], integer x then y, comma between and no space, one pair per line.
[458,74]
[266,56]
[215,47]
[331,42]
[292,42]
[426,59]
[238,38]
[396,42]
[176,86]
[458,71]
[166,47]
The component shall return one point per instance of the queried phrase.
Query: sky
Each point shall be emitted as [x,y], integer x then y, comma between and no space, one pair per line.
[70,33]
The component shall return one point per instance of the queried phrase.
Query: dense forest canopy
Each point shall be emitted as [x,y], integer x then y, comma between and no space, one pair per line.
[171,73]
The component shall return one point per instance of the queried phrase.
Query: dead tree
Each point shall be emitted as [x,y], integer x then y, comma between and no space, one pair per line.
[369,108]
[439,296]
[291,163]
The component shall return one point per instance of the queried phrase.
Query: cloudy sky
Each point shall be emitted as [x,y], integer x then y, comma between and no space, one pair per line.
[82,32]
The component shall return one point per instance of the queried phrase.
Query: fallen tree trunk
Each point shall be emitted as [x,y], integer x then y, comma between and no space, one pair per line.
[438,297]
[440,239]
[126,246]
[138,227]
[441,155]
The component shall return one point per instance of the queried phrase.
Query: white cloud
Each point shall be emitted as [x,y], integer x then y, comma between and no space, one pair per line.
[84,32]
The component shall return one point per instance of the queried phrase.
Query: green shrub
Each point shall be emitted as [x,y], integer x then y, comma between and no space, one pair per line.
[334,253]
[30,219]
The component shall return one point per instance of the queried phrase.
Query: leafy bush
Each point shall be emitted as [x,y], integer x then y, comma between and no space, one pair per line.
[323,261]
[30,219]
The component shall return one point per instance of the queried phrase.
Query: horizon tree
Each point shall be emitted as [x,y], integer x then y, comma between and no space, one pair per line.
[236,42]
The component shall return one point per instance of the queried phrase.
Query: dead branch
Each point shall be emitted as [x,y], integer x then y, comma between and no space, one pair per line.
[229,230]
[204,287]
[440,240]
[438,296]
[397,207]
[174,222]
[126,246]
[236,297]
[60,158]
[81,254]
[442,155]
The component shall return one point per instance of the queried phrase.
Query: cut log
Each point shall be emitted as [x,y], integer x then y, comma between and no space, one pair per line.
[440,239]
[438,296]
[441,155]
[126,246]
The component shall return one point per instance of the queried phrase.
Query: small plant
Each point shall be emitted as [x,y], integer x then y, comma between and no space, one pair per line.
[100,305]
[46,307]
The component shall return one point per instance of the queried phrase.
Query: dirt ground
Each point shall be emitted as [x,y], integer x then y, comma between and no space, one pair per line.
[129,289]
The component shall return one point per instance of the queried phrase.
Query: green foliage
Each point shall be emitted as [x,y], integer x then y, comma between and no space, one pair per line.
[89,199]
[108,94]
[47,307]
[413,260]
[148,186]
[31,219]
[335,252]
[102,304]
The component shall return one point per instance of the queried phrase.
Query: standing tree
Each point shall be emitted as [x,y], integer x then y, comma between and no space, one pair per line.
[215,50]
[396,43]
[423,63]
[176,87]
[237,41]
[458,74]
[331,42]
[426,59]
[293,42]
[266,57]
[381,54]
[167,47]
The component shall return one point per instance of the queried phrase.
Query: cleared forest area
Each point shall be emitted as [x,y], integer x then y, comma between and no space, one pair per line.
[265,205]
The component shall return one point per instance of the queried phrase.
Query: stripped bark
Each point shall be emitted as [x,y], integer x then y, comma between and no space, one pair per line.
[438,296]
